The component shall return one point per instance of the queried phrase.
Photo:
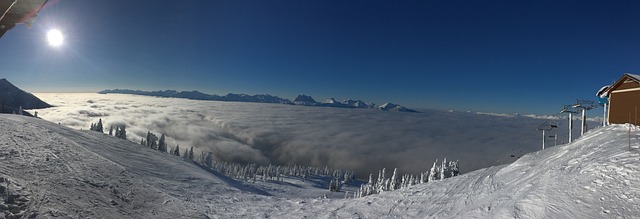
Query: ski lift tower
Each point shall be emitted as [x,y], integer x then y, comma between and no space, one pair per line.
[569,109]
[545,127]
[584,105]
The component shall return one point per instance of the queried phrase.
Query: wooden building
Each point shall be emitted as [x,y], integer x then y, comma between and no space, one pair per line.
[624,100]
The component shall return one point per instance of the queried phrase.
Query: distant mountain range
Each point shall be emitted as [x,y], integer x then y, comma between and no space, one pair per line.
[13,98]
[302,99]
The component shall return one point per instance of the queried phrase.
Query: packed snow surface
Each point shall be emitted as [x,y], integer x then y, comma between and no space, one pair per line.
[54,171]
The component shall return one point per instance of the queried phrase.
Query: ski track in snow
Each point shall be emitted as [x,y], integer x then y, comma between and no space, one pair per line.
[60,172]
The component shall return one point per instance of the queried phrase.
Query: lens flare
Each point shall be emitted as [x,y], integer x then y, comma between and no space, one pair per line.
[55,38]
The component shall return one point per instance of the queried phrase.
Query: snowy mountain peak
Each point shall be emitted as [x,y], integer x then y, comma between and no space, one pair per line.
[394,108]
[358,103]
[330,101]
[305,100]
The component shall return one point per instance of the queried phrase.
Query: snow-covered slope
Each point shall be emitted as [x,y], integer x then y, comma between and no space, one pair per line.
[59,172]
[68,173]
[55,171]
[595,177]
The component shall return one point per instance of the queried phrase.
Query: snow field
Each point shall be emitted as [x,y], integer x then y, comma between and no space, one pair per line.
[59,172]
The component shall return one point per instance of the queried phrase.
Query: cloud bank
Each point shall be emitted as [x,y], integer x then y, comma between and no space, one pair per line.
[364,140]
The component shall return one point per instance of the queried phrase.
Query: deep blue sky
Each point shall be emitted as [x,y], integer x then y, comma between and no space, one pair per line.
[499,56]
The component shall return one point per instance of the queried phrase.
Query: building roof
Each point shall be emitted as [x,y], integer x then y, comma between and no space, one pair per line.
[625,77]
[633,76]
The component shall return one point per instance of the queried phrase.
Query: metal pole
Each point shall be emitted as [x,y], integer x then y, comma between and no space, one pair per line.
[604,115]
[608,113]
[570,125]
[543,138]
[584,123]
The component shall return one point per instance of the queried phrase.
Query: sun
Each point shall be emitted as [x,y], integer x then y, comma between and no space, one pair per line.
[55,38]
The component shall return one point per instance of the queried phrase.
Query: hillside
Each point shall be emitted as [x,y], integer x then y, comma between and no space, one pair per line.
[55,171]
[12,98]
[595,177]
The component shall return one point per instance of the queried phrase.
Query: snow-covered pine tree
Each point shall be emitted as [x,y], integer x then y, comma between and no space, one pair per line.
[152,140]
[176,151]
[455,170]
[433,172]
[191,153]
[444,169]
[162,145]
[121,132]
[209,160]
[111,130]
[334,185]
[99,126]
[394,180]
[185,155]
[201,159]
[347,177]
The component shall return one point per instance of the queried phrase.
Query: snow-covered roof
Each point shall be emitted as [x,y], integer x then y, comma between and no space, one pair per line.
[622,79]
[634,76]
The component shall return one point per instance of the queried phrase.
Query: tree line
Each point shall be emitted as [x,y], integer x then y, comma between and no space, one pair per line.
[253,172]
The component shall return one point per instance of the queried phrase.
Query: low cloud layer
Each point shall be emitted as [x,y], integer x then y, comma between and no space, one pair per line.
[364,140]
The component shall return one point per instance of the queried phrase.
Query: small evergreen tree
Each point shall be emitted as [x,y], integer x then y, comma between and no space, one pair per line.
[444,169]
[209,160]
[185,155]
[455,170]
[176,151]
[162,145]
[152,140]
[190,153]
[121,132]
[394,180]
[99,126]
[433,172]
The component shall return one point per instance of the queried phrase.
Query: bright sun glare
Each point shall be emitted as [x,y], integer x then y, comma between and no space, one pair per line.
[55,38]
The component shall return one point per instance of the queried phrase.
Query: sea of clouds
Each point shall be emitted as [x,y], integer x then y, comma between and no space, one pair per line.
[364,140]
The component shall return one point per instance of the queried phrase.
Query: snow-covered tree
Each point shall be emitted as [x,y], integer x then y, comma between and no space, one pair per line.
[394,180]
[121,132]
[162,145]
[191,153]
[152,140]
[201,159]
[176,150]
[433,172]
[185,155]
[97,127]
[455,170]
[335,185]
[209,160]
[111,130]
[444,169]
